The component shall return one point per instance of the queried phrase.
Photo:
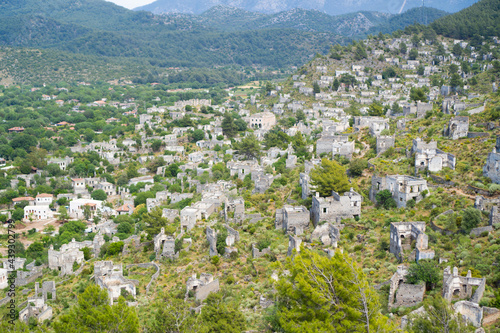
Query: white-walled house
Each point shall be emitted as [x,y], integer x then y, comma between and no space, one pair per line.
[39,212]
[76,207]
[44,199]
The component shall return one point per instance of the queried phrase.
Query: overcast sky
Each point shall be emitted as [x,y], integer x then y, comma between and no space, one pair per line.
[131,3]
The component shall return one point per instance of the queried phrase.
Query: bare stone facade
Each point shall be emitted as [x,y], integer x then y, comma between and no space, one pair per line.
[456,286]
[427,155]
[335,208]
[63,260]
[403,188]
[36,308]
[212,241]
[404,294]
[257,254]
[292,219]
[48,290]
[164,245]
[384,142]
[327,233]
[403,233]
[492,167]
[457,128]
[293,244]
[336,145]
[203,286]
[110,277]
[234,210]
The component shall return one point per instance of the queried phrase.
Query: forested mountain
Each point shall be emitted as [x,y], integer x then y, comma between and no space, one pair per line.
[481,18]
[331,7]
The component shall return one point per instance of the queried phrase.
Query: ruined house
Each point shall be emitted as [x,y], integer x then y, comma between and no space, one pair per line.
[419,110]
[203,286]
[403,188]
[327,233]
[336,145]
[292,219]
[402,293]
[110,277]
[234,210]
[384,142]
[492,167]
[48,290]
[63,259]
[427,155]
[336,207]
[456,286]
[212,241]
[164,245]
[457,128]
[402,235]
[293,244]
[37,309]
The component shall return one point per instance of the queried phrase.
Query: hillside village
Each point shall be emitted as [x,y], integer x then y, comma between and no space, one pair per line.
[202,195]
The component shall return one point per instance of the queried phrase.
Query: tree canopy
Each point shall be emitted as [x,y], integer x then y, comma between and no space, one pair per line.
[329,176]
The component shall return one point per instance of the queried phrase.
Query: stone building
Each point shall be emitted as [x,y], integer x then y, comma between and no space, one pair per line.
[336,207]
[457,128]
[203,286]
[293,244]
[336,145]
[234,210]
[164,245]
[327,233]
[403,188]
[402,293]
[263,120]
[427,155]
[419,110]
[402,235]
[48,290]
[64,259]
[212,241]
[36,308]
[110,277]
[492,167]
[456,286]
[384,142]
[189,216]
[292,219]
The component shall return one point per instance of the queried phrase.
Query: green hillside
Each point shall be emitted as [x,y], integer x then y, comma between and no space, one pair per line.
[481,18]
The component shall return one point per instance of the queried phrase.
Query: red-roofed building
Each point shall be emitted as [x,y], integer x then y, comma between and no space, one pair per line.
[16,130]
[30,200]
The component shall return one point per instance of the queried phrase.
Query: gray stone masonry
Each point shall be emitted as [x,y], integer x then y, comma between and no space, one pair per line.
[233,236]
[403,233]
[257,254]
[403,188]
[293,244]
[110,277]
[327,233]
[457,128]
[234,210]
[427,155]
[471,311]
[384,143]
[492,167]
[456,286]
[336,145]
[212,241]
[36,308]
[289,218]
[202,286]
[335,208]
[47,287]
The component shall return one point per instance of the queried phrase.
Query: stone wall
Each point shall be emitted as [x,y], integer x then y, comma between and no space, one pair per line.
[212,241]
[480,230]
[203,291]
[490,316]
[257,254]
[494,216]
[471,311]
[409,294]
[472,135]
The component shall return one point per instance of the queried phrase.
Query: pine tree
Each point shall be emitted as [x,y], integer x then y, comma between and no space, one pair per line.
[329,176]
[322,294]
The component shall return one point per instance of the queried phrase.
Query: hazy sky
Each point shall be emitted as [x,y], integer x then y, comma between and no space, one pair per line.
[131,3]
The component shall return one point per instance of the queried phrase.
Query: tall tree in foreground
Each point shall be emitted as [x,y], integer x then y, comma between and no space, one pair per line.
[328,295]
[329,176]
[94,314]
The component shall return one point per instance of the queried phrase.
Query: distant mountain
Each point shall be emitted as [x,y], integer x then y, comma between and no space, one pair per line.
[348,25]
[331,7]
[482,18]
[97,27]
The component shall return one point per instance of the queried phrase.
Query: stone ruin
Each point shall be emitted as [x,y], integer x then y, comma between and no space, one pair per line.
[427,155]
[327,233]
[403,233]
[164,245]
[257,254]
[48,288]
[492,167]
[110,277]
[69,253]
[292,219]
[456,286]
[233,236]
[402,187]
[384,142]
[336,207]
[212,241]
[36,308]
[457,128]
[293,244]
[234,210]
[203,286]
[402,293]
